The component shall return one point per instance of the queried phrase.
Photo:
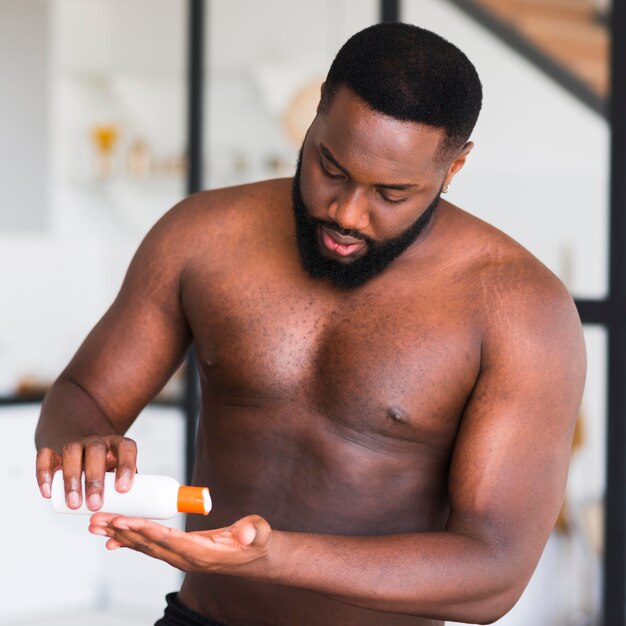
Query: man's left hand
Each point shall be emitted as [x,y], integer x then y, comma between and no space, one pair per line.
[247,540]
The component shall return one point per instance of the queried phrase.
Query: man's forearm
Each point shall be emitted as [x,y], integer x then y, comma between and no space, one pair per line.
[441,575]
[69,413]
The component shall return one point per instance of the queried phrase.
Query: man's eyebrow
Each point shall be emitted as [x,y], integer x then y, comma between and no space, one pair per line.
[399,186]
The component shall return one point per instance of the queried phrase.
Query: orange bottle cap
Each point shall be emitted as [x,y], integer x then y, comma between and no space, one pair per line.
[194,500]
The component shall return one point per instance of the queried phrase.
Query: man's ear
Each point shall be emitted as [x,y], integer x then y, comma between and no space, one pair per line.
[457,164]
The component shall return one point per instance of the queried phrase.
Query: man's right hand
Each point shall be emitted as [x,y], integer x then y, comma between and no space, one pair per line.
[95,455]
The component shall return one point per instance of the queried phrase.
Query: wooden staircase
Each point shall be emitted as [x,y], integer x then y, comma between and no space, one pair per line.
[571,34]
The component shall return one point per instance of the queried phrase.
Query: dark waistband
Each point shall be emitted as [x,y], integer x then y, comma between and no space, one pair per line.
[177,614]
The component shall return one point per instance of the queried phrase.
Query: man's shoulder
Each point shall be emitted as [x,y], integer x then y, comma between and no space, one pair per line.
[239,202]
[515,288]
[213,217]
[499,260]
[207,223]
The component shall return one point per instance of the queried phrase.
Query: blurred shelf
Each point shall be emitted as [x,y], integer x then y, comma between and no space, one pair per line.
[37,398]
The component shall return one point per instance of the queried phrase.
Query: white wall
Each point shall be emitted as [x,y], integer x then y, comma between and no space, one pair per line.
[23,120]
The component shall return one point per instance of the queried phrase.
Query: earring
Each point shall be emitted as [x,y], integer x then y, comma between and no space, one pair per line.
[445,189]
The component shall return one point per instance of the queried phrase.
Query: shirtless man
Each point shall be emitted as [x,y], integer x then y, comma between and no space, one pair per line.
[388,395]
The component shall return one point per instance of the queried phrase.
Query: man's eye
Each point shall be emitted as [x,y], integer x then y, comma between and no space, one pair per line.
[390,199]
[330,174]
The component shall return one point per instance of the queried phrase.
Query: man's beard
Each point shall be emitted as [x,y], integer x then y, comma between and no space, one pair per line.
[353,273]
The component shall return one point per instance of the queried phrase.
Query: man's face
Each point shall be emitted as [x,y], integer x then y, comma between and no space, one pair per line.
[366,187]
[314,235]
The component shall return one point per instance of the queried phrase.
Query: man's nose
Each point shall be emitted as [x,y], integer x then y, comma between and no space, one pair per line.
[350,210]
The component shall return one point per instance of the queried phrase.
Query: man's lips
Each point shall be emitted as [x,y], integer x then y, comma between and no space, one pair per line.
[343,245]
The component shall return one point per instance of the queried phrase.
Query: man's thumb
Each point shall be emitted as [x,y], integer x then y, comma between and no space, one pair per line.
[250,530]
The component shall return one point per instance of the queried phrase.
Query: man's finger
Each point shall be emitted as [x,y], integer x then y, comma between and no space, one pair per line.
[95,467]
[149,538]
[139,530]
[178,548]
[113,544]
[47,462]
[126,451]
[72,473]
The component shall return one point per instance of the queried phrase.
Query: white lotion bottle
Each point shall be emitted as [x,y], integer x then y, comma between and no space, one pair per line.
[151,496]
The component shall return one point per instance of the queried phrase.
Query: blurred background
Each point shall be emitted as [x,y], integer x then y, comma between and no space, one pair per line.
[100,138]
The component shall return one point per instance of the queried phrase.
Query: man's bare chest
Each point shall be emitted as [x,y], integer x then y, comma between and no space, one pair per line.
[394,367]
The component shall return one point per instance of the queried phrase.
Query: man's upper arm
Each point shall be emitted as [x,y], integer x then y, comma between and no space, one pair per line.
[137,345]
[511,458]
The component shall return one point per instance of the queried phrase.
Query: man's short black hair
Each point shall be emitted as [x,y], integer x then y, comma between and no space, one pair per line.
[411,74]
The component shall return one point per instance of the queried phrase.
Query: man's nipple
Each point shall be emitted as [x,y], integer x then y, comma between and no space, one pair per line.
[398,415]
